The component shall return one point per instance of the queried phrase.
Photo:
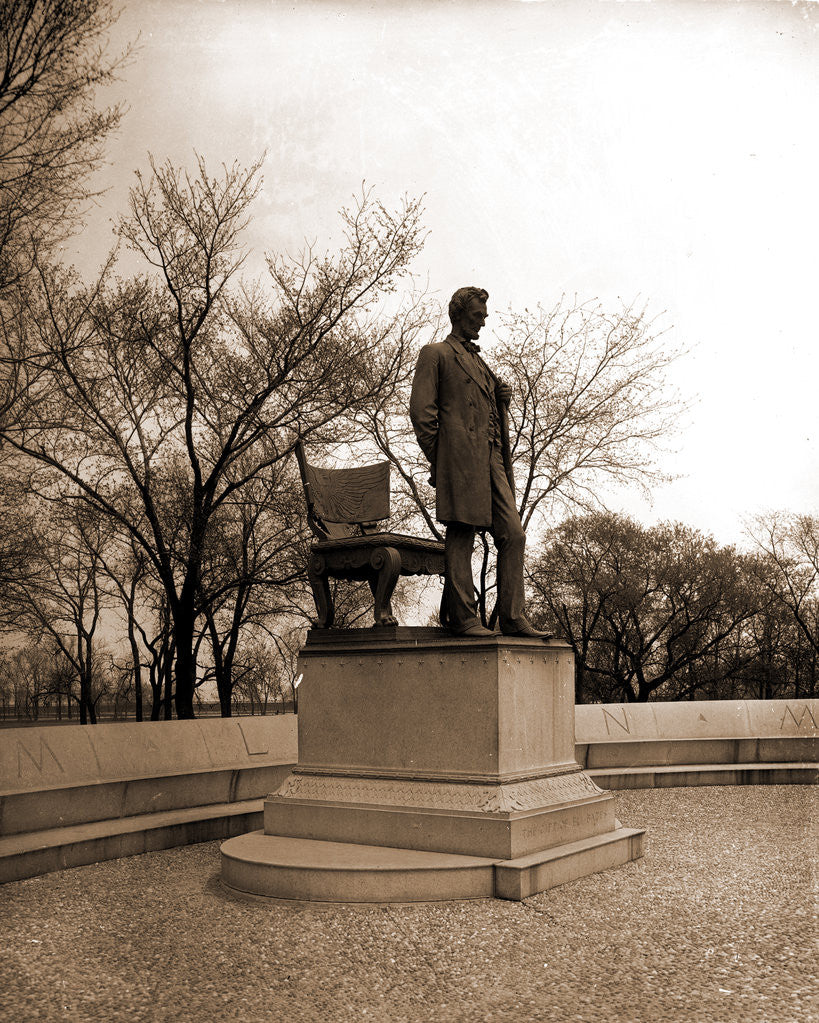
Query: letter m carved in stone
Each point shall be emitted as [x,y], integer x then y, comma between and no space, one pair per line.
[803,712]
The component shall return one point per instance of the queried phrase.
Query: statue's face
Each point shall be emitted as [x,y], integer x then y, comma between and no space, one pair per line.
[472,319]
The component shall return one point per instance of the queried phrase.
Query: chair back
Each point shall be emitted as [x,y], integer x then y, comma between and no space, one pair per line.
[344,502]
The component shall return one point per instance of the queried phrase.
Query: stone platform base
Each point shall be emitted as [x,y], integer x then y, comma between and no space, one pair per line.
[306,870]
[430,768]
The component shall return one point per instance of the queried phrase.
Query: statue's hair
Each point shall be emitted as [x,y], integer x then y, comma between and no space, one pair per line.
[460,300]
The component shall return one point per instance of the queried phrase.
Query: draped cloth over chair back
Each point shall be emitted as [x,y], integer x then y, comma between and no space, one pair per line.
[340,499]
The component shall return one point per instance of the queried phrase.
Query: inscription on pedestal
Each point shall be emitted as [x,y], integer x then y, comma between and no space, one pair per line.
[549,831]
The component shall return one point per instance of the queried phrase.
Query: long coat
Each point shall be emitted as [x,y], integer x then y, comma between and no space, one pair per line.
[450,413]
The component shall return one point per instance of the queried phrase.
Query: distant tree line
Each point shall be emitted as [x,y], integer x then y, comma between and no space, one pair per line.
[664,612]
[38,685]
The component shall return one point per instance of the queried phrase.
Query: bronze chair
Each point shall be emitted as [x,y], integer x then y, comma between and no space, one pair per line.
[344,508]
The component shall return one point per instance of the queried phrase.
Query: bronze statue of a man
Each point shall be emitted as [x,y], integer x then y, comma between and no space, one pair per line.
[456,409]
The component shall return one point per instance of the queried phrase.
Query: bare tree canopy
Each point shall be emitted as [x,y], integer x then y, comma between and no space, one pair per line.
[54,58]
[163,399]
[591,401]
[64,599]
[789,567]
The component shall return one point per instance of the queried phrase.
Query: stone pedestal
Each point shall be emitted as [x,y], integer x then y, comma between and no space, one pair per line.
[431,767]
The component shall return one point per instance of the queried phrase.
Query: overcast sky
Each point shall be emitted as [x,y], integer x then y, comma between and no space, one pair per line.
[662,150]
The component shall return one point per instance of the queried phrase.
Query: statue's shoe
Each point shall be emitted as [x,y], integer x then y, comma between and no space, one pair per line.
[473,630]
[523,627]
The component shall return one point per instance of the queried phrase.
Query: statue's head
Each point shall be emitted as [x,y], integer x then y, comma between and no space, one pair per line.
[467,311]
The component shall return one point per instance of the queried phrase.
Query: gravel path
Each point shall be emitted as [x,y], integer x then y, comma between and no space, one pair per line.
[716,923]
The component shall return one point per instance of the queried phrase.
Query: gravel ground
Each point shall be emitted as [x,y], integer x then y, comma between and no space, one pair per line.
[716,923]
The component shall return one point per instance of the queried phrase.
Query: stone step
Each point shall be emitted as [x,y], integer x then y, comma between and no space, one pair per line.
[308,870]
[527,875]
[647,752]
[657,776]
[39,852]
[55,807]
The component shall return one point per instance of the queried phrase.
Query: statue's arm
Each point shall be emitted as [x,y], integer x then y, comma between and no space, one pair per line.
[424,403]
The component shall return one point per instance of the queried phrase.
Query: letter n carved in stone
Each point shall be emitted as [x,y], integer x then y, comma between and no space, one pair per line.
[38,763]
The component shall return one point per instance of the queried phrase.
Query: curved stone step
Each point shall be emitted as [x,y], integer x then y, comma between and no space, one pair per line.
[307,870]
[689,775]
[39,852]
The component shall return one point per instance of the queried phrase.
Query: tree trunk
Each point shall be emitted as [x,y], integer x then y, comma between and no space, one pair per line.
[185,671]
[579,678]
[225,699]
[183,613]
[482,593]
[137,671]
[168,699]
[155,682]
[223,667]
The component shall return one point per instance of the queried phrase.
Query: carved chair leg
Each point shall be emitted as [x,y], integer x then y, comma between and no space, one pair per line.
[387,563]
[372,582]
[320,585]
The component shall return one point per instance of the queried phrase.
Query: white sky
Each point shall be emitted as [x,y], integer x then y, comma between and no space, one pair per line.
[661,150]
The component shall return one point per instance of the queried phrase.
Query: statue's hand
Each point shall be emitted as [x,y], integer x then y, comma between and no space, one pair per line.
[503,393]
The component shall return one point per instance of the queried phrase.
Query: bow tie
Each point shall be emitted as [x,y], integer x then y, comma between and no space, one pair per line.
[471,347]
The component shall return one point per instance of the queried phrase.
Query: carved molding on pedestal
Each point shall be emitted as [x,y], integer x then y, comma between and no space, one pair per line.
[535,794]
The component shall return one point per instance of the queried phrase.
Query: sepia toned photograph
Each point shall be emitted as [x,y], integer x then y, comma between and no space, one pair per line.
[409,511]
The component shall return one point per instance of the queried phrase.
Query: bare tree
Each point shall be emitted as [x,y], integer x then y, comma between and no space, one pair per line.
[289,642]
[34,677]
[788,568]
[261,677]
[127,568]
[591,401]
[162,397]
[26,675]
[783,664]
[19,563]
[158,641]
[66,598]
[644,609]
[254,560]
[53,58]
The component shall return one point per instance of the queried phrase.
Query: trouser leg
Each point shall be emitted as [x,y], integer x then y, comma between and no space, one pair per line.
[510,541]
[463,607]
